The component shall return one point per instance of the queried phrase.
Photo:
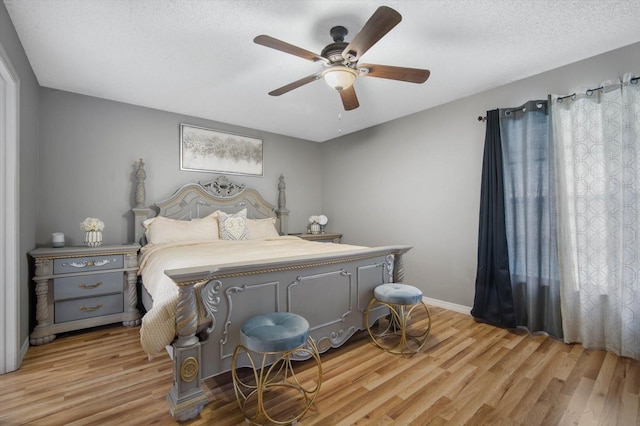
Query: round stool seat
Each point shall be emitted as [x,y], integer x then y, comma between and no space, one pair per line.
[274,332]
[398,294]
[273,392]
[398,313]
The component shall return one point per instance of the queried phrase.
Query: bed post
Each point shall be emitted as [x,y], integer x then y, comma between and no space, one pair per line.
[140,212]
[397,274]
[398,268]
[186,397]
[282,212]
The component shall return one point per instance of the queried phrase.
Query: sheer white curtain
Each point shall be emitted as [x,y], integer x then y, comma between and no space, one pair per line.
[597,141]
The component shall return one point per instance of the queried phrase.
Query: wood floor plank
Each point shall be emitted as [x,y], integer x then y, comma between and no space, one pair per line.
[575,409]
[551,404]
[614,394]
[629,409]
[541,375]
[380,416]
[468,373]
[415,400]
[595,403]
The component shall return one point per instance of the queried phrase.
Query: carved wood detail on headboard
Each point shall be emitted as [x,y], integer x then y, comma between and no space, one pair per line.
[200,199]
[223,187]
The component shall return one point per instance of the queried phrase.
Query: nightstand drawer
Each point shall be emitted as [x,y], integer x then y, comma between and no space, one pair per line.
[87,285]
[87,264]
[71,310]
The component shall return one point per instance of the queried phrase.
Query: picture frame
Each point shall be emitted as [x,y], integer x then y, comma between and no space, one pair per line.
[214,151]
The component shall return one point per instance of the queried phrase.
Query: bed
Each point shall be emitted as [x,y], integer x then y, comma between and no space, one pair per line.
[211,285]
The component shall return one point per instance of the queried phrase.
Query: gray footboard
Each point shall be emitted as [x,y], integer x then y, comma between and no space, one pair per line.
[330,291]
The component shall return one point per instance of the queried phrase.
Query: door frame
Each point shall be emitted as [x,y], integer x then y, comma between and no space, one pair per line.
[10,348]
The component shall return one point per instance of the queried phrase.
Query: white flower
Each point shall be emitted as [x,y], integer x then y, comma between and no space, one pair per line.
[92,224]
[314,219]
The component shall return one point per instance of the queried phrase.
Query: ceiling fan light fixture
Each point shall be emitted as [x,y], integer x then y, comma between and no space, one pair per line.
[339,77]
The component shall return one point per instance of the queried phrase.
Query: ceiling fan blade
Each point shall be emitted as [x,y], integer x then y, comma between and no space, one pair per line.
[285,47]
[412,75]
[349,98]
[380,23]
[287,88]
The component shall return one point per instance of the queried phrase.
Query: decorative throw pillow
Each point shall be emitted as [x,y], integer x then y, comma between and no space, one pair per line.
[233,226]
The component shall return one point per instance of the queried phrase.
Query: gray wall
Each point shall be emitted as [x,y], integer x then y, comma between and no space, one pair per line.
[416,180]
[89,146]
[28,152]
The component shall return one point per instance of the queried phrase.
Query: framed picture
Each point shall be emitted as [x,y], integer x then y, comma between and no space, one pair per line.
[208,150]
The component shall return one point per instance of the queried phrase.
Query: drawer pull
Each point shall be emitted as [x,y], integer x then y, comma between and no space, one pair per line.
[91,309]
[90,286]
[89,263]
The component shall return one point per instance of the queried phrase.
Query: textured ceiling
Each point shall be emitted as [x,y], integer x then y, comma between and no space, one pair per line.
[197,57]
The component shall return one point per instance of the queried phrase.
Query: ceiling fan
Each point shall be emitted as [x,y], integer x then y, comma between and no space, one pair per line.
[340,59]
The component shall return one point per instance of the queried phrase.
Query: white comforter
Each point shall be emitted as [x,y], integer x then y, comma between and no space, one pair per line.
[158,325]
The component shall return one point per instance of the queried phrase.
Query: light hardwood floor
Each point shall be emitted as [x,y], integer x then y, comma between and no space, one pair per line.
[468,373]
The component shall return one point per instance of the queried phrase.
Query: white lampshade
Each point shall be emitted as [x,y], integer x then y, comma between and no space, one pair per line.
[339,77]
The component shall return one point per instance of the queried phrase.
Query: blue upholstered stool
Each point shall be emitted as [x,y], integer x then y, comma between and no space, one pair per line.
[268,343]
[396,307]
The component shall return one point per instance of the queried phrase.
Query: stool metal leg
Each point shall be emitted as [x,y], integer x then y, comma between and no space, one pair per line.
[394,333]
[250,392]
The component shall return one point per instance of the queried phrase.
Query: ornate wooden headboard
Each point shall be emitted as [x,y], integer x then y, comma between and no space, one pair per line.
[195,200]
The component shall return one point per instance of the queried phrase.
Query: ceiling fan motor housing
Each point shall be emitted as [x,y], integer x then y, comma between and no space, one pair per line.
[333,51]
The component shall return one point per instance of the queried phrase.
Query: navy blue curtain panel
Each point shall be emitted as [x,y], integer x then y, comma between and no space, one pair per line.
[493,302]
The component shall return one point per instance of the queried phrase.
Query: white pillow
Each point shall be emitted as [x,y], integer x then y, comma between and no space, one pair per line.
[262,228]
[233,226]
[161,230]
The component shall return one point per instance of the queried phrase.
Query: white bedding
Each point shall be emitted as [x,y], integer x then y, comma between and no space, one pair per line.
[158,325]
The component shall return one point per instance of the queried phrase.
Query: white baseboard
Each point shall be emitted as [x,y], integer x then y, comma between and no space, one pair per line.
[448,305]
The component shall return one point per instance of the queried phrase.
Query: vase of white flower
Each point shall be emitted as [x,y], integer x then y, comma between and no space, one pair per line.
[315,228]
[314,224]
[92,238]
[92,228]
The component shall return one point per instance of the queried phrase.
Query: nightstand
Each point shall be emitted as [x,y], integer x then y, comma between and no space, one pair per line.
[81,287]
[327,237]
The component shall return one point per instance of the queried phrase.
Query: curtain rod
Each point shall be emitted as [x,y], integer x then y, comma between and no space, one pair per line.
[589,92]
[538,104]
